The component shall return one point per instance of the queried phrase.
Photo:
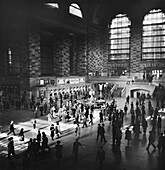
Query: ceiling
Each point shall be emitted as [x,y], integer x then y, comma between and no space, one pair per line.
[99,11]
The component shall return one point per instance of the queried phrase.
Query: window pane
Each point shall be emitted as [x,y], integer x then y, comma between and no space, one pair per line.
[153,35]
[75,10]
[119,37]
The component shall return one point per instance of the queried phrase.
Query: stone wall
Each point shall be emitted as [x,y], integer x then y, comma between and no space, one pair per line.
[135,48]
[34,54]
[95,52]
[81,55]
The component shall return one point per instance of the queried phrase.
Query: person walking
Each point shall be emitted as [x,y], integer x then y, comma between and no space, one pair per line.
[118,137]
[34,123]
[136,129]
[100,157]
[98,131]
[132,105]
[128,135]
[91,118]
[101,116]
[45,145]
[45,107]
[57,131]
[102,133]
[84,121]
[10,147]
[160,142]
[144,126]
[159,123]
[125,109]
[77,131]
[58,148]
[21,134]
[39,137]
[76,146]
[151,140]
[127,99]
[52,130]
[11,128]
[41,108]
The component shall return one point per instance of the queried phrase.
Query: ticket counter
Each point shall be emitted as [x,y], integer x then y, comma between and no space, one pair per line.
[67,88]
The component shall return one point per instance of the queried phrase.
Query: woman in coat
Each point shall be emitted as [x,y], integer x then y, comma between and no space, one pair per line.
[52,130]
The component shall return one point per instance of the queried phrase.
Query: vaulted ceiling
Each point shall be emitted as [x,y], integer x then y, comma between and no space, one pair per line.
[102,10]
[98,11]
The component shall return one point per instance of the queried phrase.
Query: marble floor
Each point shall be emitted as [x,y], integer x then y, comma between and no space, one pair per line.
[132,157]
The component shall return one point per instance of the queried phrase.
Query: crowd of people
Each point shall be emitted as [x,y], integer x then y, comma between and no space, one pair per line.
[83,114]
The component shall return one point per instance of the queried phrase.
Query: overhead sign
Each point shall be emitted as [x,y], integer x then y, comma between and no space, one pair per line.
[82,80]
[62,81]
[74,81]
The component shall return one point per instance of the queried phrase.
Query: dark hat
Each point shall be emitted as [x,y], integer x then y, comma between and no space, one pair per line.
[11,138]
[58,141]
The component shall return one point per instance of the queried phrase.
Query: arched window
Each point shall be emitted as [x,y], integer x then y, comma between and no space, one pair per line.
[153,41]
[52,5]
[75,10]
[119,38]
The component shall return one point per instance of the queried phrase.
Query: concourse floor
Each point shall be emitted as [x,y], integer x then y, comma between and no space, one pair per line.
[132,157]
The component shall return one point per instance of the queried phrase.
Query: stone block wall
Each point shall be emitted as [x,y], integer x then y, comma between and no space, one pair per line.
[57,55]
[65,56]
[61,56]
[104,47]
[34,54]
[81,55]
[95,53]
[135,49]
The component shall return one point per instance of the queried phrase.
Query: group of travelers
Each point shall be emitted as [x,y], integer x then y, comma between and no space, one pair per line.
[78,111]
[38,147]
[101,133]
[83,114]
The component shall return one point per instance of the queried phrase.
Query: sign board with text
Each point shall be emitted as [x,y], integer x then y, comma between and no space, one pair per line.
[70,80]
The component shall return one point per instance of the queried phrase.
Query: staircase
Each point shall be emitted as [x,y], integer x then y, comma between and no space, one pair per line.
[117,92]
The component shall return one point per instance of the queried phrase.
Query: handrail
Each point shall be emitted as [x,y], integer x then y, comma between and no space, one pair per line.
[113,88]
[123,92]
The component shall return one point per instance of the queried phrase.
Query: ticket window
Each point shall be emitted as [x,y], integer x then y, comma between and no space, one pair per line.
[157,73]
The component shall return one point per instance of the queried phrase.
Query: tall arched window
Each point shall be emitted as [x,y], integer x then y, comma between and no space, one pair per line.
[119,39]
[75,10]
[153,42]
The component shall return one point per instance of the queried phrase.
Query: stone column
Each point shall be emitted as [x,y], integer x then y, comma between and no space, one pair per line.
[136,48]
[34,55]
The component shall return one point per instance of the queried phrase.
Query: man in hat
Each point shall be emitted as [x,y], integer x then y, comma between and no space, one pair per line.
[10,147]
[58,148]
